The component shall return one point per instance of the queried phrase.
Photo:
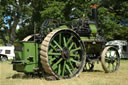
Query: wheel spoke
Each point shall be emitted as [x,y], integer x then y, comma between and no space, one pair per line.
[71,45]
[114,55]
[50,50]
[71,65]
[63,68]
[59,69]
[108,67]
[75,55]
[65,44]
[51,60]
[77,62]
[69,70]
[59,39]
[69,40]
[73,50]
[54,53]
[53,47]
[55,65]
[110,52]
[113,66]
[57,44]
[106,58]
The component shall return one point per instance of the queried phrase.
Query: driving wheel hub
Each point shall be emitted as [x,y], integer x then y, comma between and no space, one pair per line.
[65,53]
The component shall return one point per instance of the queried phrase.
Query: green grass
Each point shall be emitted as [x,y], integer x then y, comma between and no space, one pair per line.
[98,77]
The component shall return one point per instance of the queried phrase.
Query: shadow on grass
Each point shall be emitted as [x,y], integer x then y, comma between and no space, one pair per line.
[31,76]
[92,71]
[23,76]
[124,59]
[35,76]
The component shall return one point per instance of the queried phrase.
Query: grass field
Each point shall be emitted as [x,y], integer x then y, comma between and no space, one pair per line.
[98,77]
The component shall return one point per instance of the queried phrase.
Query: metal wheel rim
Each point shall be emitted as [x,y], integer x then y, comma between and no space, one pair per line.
[61,62]
[110,59]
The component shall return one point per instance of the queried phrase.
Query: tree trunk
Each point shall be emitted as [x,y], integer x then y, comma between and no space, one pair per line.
[13,29]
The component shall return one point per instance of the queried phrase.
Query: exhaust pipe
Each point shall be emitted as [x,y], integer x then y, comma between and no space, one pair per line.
[95,14]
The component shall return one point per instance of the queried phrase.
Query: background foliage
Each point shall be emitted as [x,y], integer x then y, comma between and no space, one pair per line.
[18,18]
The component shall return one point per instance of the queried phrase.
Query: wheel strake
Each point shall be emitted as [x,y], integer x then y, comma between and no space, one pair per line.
[110,59]
[62,54]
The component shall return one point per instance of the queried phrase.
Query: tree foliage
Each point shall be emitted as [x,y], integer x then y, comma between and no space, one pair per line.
[29,14]
[111,17]
[14,11]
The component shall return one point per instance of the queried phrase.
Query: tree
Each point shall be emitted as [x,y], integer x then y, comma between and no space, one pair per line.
[63,10]
[18,11]
[27,13]
[111,14]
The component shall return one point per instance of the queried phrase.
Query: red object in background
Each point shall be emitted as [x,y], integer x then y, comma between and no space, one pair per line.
[94,6]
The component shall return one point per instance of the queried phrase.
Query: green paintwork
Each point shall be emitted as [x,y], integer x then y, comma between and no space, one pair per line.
[55,65]
[63,27]
[68,68]
[18,52]
[63,68]
[92,35]
[75,61]
[75,49]
[69,40]
[59,69]
[57,44]
[93,28]
[84,38]
[88,38]
[71,46]
[28,57]
[53,48]
[54,53]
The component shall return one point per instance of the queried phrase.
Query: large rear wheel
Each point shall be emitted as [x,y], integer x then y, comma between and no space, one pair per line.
[62,54]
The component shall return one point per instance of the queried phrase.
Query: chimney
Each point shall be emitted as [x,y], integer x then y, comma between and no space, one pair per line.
[95,14]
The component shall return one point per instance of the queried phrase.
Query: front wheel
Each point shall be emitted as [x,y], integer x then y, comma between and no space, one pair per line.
[110,59]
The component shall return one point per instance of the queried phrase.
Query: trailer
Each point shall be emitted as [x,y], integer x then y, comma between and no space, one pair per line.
[7,53]
[122,46]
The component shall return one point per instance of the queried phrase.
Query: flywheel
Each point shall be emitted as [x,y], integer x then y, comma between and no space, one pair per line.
[62,54]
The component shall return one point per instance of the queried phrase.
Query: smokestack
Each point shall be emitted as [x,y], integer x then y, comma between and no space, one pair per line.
[95,14]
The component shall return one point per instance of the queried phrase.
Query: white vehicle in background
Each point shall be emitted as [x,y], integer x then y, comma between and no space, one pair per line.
[6,53]
[122,46]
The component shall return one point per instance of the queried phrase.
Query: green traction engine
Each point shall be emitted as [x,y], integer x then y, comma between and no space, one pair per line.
[64,51]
